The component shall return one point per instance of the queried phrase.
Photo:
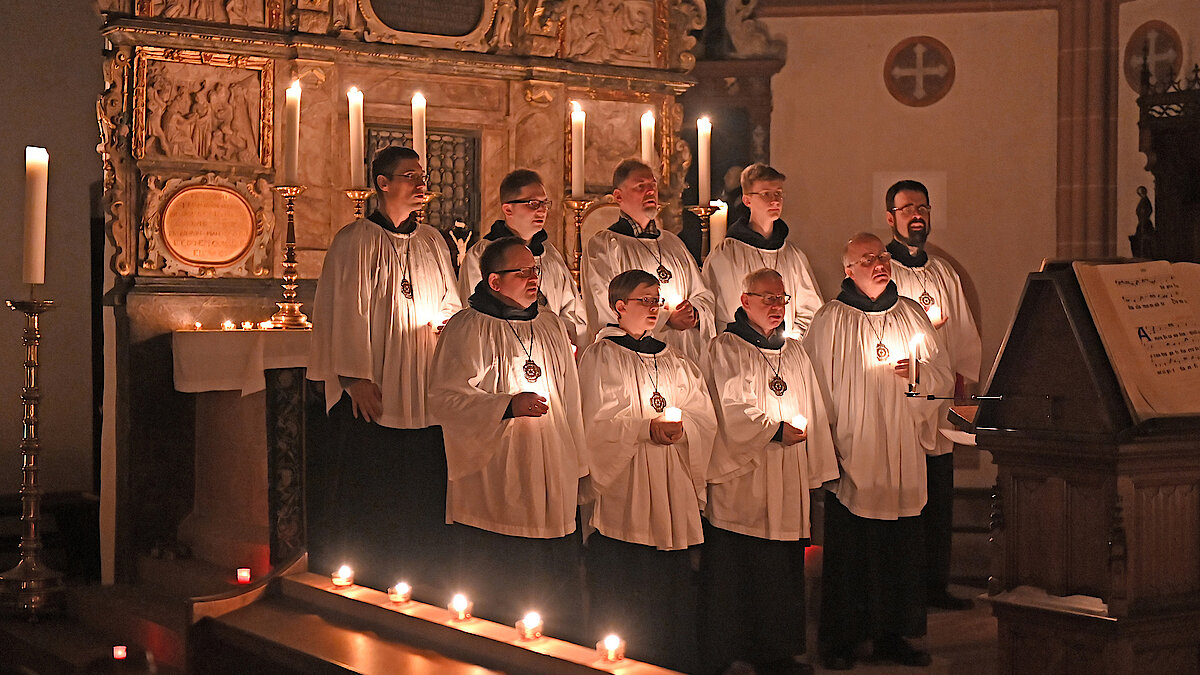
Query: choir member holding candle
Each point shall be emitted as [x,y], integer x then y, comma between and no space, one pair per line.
[504,387]
[525,206]
[871,585]
[636,242]
[932,282]
[774,446]
[757,242]
[648,476]
[386,285]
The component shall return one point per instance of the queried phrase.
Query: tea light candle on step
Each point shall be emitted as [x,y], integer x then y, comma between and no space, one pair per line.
[530,627]
[461,607]
[120,652]
[243,575]
[611,648]
[344,576]
[228,325]
[247,325]
[672,414]
[401,593]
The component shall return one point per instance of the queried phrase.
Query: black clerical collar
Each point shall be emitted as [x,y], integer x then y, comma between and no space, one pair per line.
[500,230]
[407,227]
[901,255]
[483,301]
[741,327]
[627,227]
[858,300]
[745,233]
[645,345]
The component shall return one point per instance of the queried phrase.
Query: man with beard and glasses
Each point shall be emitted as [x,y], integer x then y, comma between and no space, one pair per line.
[635,242]
[773,446]
[761,241]
[503,385]
[860,345]
[932,282]
[386,287]
[525,206]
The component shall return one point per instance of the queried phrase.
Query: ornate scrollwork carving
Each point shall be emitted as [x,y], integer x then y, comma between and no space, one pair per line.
[156,253]
[686,16]
[264,13]
[115,153]
[749,36]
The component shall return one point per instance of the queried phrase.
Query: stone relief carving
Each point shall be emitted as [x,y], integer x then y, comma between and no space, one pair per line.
[616,33]
[502,27]
[749,36]
[686,16]
[200,106]
[154,253]
[115,154]
[613,134]
[238,12]
[540,23]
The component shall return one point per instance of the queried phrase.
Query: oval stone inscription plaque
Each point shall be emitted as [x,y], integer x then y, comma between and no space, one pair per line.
[208,226]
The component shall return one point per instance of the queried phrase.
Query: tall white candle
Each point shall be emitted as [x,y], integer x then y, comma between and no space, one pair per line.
[358,169]
[291,136]
[37,165]
[703,175]
[418,123]
[717,223]
[914,361]
[648,138]
[578,120]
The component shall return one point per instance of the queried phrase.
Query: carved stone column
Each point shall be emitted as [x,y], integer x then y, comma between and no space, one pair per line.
[1088,62]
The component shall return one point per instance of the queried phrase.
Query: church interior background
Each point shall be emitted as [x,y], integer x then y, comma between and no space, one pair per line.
[1020,115]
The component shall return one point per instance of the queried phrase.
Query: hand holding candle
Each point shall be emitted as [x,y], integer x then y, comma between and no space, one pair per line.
[796,430]
[667,429]
[37,165]
[528,404]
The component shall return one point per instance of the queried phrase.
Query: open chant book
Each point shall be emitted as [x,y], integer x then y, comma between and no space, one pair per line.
[1148,317]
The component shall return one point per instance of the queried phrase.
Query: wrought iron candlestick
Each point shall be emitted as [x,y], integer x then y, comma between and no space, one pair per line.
[578,206]
[359,197]
[31,588]
[289,314]
[705,214]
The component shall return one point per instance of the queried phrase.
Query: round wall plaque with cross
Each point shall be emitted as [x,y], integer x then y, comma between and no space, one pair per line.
[1157,45]
[919,71]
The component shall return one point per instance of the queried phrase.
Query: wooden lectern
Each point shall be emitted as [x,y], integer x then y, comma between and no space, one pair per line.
[1096,525]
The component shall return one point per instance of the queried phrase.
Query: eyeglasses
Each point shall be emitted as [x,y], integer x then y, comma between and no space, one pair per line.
[869,261]
[649,301]
[417,177]
[769,195]
[910,209]
[523,272]
[535,204]
[779,300]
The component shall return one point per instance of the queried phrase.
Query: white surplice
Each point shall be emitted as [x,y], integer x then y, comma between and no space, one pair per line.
[556,284]
[609,253]
[757,486]
[364,327]
[729,263]
[646,493]
[517,476]
[880,434]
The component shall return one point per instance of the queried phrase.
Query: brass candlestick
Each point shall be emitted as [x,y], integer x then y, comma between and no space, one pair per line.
[31,588]
[289,314]
[705,214]
[359,197]
[425,199]
[578,206]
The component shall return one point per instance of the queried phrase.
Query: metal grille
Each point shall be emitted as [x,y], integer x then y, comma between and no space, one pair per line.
[452,171]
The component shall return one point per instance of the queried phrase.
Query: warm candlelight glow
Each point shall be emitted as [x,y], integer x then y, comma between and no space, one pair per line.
[672,414]
[673,300]
[268,324]
[461,607]
[914,346]
[344,576]
[935,314]
[247,325]
[718,223]
[611,648]
[914,361]
[227,325]
[358,167]
[800,422]
[243,575]
[401,592]
[703,163]
[578,122]
[291,135]
[198,326]
[120,652]
[530,627]
[648,138]
[418,124]
[37,171]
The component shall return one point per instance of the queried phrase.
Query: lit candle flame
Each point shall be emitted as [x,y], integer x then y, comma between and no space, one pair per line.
[575,107]
[120,652]
[935,314]
[800,422]
[401,592]
[243,575]
[672,414]
[612,642]
[344,576]
[198,326]
[915,344]
[673,301]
